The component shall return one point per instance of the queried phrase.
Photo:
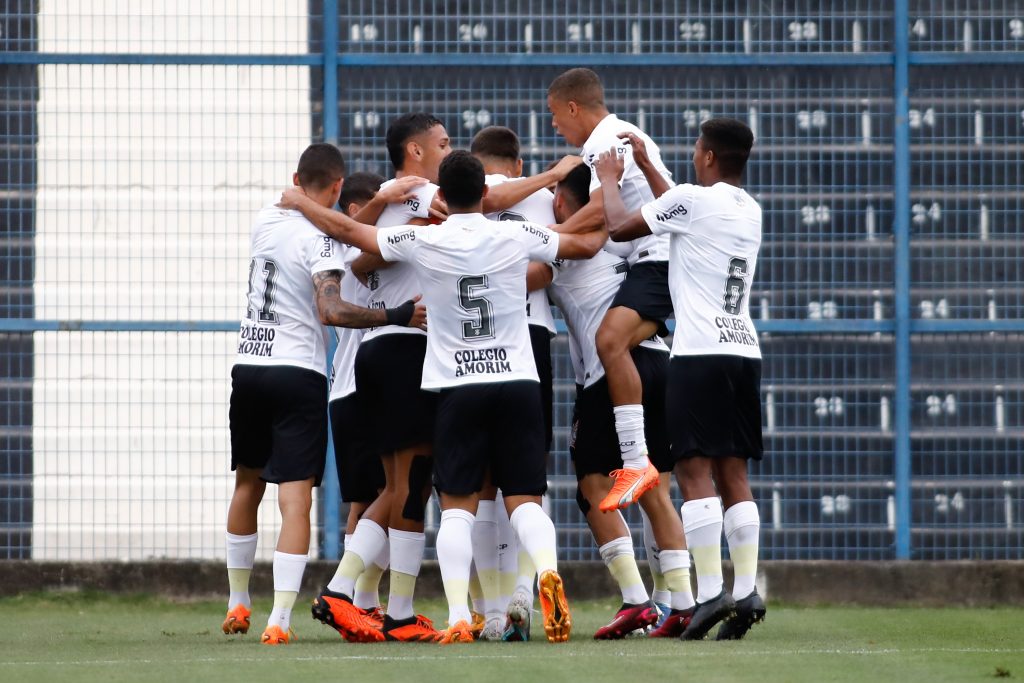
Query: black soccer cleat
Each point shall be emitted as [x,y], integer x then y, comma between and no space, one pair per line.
[749,611]
[707,614]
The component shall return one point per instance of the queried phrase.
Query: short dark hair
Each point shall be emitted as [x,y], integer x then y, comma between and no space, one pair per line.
[404,127]
[496,142]
[360,188]
[576,185]
[731,141]
[461,179]
[579,85]
[320,165]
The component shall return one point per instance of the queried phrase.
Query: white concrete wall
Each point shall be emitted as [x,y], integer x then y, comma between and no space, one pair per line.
[148,179]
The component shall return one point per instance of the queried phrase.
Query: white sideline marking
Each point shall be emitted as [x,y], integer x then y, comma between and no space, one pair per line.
[449,655]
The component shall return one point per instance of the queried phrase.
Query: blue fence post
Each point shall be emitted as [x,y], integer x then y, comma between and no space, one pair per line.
[901,232]
[329,490]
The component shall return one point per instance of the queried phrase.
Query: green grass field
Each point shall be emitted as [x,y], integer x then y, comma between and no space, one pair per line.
[87,637]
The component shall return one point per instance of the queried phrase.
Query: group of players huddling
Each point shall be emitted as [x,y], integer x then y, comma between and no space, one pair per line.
[463,404]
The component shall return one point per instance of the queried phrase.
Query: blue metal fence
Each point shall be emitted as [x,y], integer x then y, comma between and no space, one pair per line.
[889,301]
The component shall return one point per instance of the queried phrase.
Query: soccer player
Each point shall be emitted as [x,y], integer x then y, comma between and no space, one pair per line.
[473,273]
[388,368]
[278,411]
[497,148]
[583,290]
[713,399]
[642,304]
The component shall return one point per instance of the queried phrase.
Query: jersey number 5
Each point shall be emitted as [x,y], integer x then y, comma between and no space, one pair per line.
[735,286]
[265,313]
[481,325]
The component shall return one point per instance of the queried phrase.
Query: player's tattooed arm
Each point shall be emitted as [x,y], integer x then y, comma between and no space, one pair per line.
[659,183]
[333,223]
[336,311]
[397,192]
[623,225]
[501,197]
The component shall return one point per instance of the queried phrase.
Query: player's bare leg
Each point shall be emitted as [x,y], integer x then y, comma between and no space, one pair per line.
[537,534]
[241,542]
[622,330]
[616,547]
[295,500]
[671,557]
[742,526]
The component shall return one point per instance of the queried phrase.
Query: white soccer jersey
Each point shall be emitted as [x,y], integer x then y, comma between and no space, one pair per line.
[714,236]
[635,189]
[538,208]
[282,325]
[396,284]
[584,290]
[473,271]
[343,377]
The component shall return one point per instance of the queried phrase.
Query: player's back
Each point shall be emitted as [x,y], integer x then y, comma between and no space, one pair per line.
[282,325]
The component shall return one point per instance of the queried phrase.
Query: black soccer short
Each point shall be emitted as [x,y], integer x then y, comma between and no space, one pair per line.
[497,426]
[278,420]
[540,340]
[594,443]
[645,290]
[360,472]
[714,406]
[389,370]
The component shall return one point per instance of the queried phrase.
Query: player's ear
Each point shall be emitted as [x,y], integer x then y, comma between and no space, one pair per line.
[519,167]
[574,109]
[481,196]
[352,209]
[440,194]
[295,179]
[412,149]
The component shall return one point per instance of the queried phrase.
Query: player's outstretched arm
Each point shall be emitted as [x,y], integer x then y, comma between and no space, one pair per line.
[623,225]
[538,276]
[397,192]
[581,246]
[501,197]
[333,223]
[337,312]
[659,183]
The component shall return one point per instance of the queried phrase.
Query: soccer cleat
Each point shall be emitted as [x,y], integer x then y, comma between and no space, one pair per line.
[273,635]
[493,630]
[461,632]
[749,611]
[477,625]
[663,612]
[628,619]
[554,607]
[415,629]
[374,614]
[628,487]
[337,611]
[673,625]
[707,614]
[237,620]
[517,622]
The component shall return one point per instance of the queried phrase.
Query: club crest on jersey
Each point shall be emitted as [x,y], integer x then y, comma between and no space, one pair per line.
[677,210]
[373,280]
[400,237]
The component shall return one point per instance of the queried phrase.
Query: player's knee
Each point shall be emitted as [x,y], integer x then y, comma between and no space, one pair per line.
[610,343]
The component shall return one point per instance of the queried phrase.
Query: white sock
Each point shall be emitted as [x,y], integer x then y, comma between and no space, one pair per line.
[536,533]
[702,524]
[288,571]
[676,567]
[454,555]
[367,590]
[365,545]
[660,594]
[406,558]
[348,539]
[485,557]
[508,550]
[620,559]
[241,556]
[629,425]
[742,526]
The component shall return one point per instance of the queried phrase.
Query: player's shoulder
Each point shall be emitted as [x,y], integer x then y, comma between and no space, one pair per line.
[494,179]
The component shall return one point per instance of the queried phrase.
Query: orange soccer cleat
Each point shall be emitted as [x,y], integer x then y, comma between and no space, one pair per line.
[237,620]
[415,629]
[273,635]
[554,607]
[354,624]
[461,632]
[628,487]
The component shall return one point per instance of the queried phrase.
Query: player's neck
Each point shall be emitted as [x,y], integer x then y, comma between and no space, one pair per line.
[715,179]
[507,170]
[411,168]
[457,210]
[590,118]
[323,198]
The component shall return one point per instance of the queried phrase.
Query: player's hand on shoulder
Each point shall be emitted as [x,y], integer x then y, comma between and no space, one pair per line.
[292,198]
[610,166]
[438,210]
[565,166]
[639,147]
[419,314]
[403,189]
